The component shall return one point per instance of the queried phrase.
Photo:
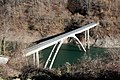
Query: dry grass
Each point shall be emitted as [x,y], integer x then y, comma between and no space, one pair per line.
[29,20]
[101,68]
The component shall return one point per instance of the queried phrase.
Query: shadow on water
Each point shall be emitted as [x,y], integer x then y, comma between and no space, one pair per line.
[71,53]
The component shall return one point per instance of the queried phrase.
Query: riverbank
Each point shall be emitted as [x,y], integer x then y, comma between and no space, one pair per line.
[89,69]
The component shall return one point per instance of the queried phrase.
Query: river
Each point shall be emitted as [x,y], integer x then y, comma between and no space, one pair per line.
[71,53]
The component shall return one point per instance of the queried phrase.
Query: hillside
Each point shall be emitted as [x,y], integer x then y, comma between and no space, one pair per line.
[28,21]
[22,22]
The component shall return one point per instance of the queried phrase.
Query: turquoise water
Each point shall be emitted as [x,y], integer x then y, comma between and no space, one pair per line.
[71,53]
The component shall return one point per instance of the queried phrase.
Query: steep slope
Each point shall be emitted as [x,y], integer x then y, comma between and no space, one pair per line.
[25,21]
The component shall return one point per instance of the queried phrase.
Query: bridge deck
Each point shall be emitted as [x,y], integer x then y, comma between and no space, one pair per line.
[55,40]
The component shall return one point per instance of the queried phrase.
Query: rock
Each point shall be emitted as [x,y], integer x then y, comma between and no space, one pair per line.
[108,42]
[1,78]
[3,60]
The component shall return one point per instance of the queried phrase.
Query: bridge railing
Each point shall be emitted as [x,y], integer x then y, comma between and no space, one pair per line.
[34,50]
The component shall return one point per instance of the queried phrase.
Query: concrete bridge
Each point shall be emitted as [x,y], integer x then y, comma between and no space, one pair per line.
[57,42]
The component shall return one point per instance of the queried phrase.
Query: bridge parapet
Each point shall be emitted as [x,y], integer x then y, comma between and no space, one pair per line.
[57,42]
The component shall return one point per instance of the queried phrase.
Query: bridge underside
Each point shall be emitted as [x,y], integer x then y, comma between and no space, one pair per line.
[57,42]
[50,61]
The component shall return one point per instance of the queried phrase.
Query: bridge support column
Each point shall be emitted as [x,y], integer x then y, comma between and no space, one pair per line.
[79,42]
[88,39]
[37,59]
[85,38]
[58,48]
[34,60]
[50,56]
